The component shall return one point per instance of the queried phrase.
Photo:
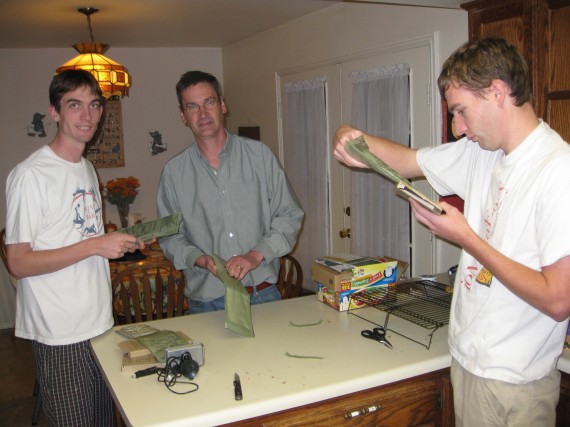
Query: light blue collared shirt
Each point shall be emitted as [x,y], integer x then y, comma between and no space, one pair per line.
[247,203]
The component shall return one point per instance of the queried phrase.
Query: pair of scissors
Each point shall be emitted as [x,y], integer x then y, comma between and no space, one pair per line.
[377,334]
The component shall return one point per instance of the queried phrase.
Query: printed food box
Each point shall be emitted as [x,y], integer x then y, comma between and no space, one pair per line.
[341,301]
[345,272]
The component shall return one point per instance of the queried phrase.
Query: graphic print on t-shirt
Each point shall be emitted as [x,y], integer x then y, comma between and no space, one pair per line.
[484,277]
[492,212]
[86,212]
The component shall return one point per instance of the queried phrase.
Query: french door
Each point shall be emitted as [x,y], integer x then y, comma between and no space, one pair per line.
[338,94]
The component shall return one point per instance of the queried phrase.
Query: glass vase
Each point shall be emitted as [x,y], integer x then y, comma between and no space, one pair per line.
[123,214]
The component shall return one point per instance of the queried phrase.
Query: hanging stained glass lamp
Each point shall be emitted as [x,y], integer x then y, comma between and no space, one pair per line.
[113,78]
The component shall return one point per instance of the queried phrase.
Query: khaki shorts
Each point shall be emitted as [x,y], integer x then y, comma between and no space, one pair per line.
[484,402]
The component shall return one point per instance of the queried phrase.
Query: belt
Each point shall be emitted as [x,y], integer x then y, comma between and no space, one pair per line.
[260,287]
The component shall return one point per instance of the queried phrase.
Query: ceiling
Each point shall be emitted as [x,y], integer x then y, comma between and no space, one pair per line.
[154,23]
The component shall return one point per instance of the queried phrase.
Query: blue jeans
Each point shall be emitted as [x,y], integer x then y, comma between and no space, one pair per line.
[265,295]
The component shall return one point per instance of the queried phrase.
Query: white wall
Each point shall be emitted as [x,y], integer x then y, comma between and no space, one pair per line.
[248,73]
[25,75]
[342,30]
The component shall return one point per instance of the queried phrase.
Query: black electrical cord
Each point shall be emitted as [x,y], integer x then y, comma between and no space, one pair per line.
[170,374]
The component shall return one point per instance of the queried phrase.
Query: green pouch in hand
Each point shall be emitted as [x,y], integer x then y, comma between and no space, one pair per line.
[238,307]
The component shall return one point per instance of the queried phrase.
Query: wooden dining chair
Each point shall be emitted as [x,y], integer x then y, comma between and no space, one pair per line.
[290,281]
[146,291]
[3,252]
[150,290]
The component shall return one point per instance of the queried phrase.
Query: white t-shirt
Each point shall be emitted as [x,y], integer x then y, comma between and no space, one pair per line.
[520,205]
[54,203]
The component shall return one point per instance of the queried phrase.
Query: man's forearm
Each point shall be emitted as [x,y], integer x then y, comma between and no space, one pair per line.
[545,290]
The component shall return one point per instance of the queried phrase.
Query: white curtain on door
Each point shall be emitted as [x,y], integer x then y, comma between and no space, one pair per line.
[380,221]
[305,149]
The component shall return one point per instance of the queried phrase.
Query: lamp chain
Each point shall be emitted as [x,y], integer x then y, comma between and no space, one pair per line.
[90,29]
[88,11]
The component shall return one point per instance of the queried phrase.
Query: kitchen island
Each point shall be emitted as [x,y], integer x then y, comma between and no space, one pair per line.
[304,352]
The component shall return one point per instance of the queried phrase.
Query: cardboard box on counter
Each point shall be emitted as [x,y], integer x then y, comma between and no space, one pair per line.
[338,276]
[343,272]
[340,301]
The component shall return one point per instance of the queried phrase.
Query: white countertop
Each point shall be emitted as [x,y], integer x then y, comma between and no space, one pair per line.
[271,381]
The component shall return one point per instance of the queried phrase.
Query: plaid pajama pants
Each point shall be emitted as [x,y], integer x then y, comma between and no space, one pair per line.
[73,390]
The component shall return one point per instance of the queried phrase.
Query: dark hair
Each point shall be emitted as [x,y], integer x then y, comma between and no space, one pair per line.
[477,63]
[191,78]
[68,81]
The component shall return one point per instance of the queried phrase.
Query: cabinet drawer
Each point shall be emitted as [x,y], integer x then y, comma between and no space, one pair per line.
[413,402]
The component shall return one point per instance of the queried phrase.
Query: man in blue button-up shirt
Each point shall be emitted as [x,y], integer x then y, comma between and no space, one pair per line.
[235,200]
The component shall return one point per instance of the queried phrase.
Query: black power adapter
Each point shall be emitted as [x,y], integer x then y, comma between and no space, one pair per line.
[188,366]
[176,367]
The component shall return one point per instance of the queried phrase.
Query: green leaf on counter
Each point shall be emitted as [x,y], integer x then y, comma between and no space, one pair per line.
[306,324]
[297,356]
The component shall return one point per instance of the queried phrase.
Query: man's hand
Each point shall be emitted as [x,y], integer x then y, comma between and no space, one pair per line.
[450,225]
[343,134]
[115,245]
[239,266]
[399,157]
[546,290]
[207,262]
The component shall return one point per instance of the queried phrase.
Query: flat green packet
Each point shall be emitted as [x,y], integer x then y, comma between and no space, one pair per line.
[159,341]
[162,227]
[358,149]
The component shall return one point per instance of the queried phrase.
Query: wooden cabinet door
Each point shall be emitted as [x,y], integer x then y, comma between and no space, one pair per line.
[507,19]
[540,30]
[553,64]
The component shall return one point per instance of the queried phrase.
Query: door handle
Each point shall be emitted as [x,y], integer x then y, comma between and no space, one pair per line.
[345,232]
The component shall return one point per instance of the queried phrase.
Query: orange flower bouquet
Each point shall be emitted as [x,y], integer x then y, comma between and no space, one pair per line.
[122,192]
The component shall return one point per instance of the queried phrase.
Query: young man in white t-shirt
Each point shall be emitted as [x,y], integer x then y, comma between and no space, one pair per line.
[511,298]
[57,249]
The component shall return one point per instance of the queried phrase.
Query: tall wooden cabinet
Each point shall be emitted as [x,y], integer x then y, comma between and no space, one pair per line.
[540,29]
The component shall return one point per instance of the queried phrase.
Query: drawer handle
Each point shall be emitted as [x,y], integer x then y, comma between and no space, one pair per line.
[353,414]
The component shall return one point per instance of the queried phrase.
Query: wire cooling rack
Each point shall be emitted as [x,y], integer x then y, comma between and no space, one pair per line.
[424,303]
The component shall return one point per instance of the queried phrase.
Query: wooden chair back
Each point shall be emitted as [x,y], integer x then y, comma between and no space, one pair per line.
[3,250]
[290,281]
[152,290]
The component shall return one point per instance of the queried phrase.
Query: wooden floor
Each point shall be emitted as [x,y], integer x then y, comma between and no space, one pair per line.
[17,376]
